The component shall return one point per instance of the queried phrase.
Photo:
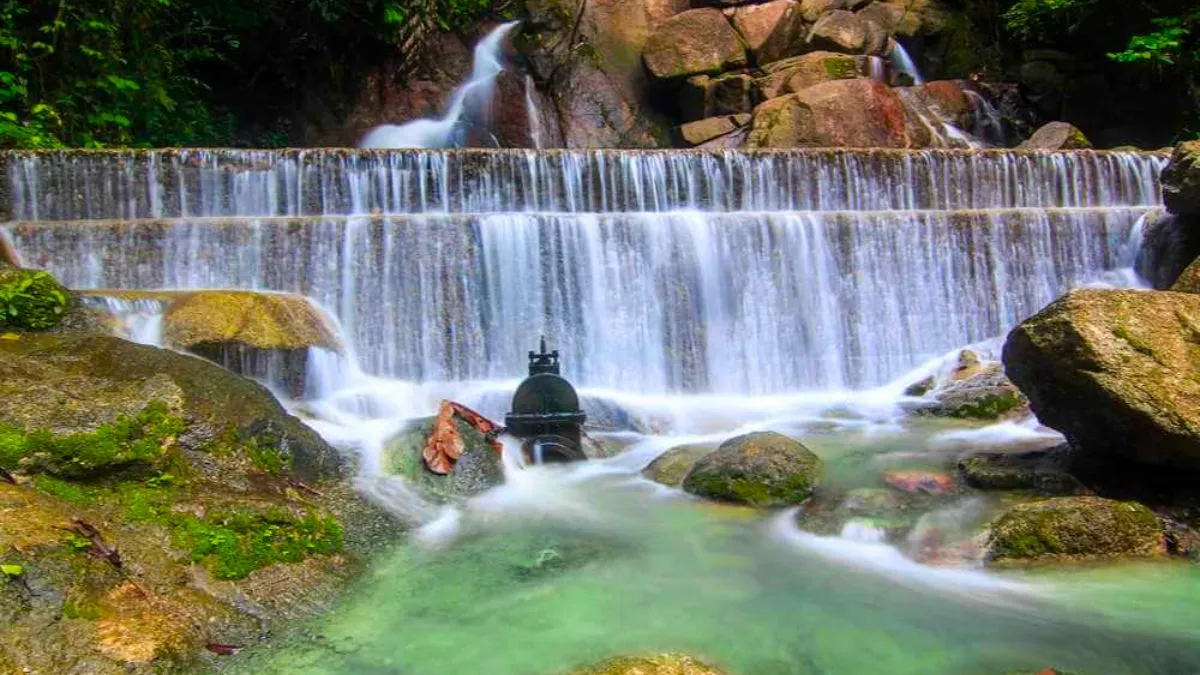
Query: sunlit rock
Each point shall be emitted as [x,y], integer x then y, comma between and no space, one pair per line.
[695,42]
[1066,529]
[771,30]
[1057,136]
[671,467]
[1189,281]
[796,74]
[762,469]
[848,33]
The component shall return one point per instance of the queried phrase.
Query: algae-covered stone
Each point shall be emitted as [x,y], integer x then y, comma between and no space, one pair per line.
[477,469]
[31,299]
[1117,372]
[692,43]
[75,384]
[1074,528]
[672,466]
[658,664]
[1042,471]
[983,394]
[763,469]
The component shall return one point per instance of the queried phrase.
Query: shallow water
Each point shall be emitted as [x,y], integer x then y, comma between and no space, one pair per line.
[566,566]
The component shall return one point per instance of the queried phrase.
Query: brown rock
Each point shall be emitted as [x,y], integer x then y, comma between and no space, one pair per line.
[1117,372]
[946,100]
[846,32]
[796,74]
[845,113]
[907,18]
[696,133]
[1189,281]
[811,10]
[1057,136]
[695,42]
[771,30]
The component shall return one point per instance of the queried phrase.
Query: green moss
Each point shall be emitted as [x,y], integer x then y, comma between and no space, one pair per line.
[1075,527]
[989,407]
[68,492]
[130,440]
[269,459]
[31,299]
[841,68]
[81,608]
[235,543]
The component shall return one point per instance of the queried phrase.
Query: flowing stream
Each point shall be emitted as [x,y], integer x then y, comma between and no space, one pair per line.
[694,296]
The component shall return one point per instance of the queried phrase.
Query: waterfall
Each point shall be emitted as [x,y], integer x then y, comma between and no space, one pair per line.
[476,91]
[535,116]
[904,63]
[651,271]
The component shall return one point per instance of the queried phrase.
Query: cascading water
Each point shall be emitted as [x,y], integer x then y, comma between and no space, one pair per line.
[534,115]
[473,96]
[903,62]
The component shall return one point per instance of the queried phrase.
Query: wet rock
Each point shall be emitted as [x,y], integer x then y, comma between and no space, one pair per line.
[697,133]
[659,664]
[811,10]
[945,101]
[915,481]
[848,33]
[796,74]
[31,299]
[1043,471]
[1189,281]
[1181,179]
[1057,136]
[1074,528]
[922,387]
[771,30]
[1117,372]
[844,113]
[671,467]
[762,469]
[477,468]
[976,391]
[605,414]
[1169,244]
[695,42]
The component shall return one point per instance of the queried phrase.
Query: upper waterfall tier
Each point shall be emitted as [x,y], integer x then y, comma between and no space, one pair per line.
[90,185]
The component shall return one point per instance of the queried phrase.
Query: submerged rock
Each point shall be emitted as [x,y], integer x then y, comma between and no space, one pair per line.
[762,469]
[671,467]
[1117,372]
[31,299]
[1043,471]
[659,664]
[1074,528]
[917,481]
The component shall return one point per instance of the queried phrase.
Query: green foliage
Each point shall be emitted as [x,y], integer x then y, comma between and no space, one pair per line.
[1041,19]
[235,543]
[31,299]
[140,439]
[68,492]
[12,571]
[97,73]
[269,459]
[1165,45]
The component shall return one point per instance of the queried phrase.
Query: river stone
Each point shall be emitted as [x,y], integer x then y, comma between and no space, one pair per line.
[477,469]
[1169,244]
[981,393]
[771,30]
[1057,136]
[69,384]
[763,469]
[796,74]
[1074,528]
[659,664]
[1181,179]
[848,33]
[671,467]
[1189,281]
[1117,372]
[1042,471]
[844,113]
[694,42]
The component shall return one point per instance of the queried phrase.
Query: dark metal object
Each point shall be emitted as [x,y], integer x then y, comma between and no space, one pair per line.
[545,413]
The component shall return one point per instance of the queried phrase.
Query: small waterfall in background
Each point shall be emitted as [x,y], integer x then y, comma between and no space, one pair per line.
[474,95]
[535,115]
[904,63]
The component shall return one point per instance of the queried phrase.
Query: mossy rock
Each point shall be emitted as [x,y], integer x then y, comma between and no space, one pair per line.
[1074,528]
[476,470]
[763,469]
[267,321]
[977,393]
[1043,472]
[671,467]
[66,384]
[31,299]
[658,664]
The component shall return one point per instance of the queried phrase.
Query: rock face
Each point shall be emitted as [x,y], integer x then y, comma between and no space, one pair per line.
[848,33]
[659,664]
[791,76]
[695,42]
[763,469]
[31,299]
[1057,136]
[1169,244]
[844,113]
[771,30]
[1181,179]
[671,467]
[1117,372]
[1074,528]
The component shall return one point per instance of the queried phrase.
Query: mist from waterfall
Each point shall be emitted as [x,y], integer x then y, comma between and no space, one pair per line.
[472,96]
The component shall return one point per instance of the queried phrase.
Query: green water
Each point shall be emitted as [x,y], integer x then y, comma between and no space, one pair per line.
[563,568]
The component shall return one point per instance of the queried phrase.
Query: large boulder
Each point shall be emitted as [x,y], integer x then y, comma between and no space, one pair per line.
[1189,281]
[702,97]
[771,30]
[1181,179]
[848,33]
[796,74]
[811,10]
[1074,528]
[695,42]
[658,664]
[844,113]
[671,467]
[31,299]
[1117,372]
[763,469]
[1169,244]
[908,18]
[1057,136]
